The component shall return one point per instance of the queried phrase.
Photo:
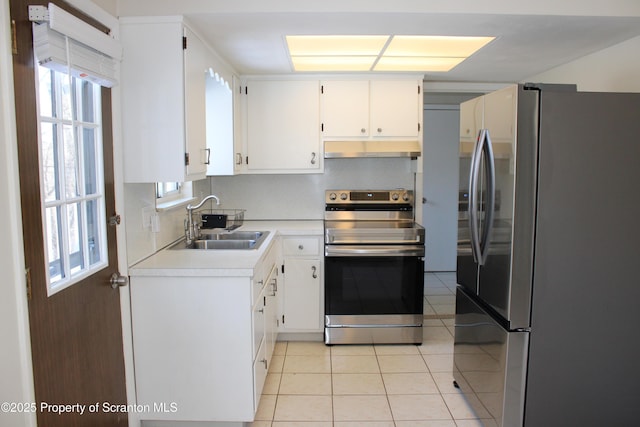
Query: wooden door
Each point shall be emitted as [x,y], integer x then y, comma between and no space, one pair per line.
[76,333]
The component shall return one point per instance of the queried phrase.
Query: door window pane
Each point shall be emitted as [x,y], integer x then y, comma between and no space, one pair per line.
[89,149]
[74,228]
[84,97]
[51,185]
[54,244]
[70,158]
[93,238]
[46,93]
[72,181]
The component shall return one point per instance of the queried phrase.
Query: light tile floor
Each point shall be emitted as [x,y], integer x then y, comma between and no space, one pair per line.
[313,385]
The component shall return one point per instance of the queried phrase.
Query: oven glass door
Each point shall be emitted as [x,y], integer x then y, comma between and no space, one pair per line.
[374,285]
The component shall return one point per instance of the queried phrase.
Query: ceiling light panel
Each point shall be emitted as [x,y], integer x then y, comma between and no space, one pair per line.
[335,45]
[381,52]
[332,63]
[416,63]
[436,46]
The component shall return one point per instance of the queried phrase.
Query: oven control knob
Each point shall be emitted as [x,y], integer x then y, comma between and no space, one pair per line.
[343,196]
[405,197]
[395,196]
[333,196]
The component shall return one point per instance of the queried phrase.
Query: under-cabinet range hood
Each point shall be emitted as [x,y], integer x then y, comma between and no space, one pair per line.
[355,149]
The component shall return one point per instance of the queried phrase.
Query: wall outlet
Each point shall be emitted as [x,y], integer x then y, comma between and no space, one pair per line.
[147,213]
[155,223]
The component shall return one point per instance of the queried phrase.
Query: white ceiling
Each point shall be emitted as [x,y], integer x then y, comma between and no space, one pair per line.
[253,42]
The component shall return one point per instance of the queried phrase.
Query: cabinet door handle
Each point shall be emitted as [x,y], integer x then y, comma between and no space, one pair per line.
[363,130]
[313,158]
[314,272]
[379,130]
[265,363]
[208,161]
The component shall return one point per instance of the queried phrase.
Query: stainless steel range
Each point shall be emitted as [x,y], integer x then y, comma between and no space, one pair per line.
[374,268]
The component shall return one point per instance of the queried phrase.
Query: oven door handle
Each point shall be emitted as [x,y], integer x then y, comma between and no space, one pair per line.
[373,250]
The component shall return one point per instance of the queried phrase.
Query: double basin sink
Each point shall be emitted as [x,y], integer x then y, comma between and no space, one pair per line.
[234,240]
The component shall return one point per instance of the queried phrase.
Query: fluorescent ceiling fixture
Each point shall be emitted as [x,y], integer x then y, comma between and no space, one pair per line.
[435,46]
[333,63]
[335,45]
[416,63]
[381,53]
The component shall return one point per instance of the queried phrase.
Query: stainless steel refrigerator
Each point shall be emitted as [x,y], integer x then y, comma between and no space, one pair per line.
[547,325]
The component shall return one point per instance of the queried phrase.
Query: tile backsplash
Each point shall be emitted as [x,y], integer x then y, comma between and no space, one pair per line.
[264,197]
[302,196]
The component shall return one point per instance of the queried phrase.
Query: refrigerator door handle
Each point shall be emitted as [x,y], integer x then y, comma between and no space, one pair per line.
[490,205]
[474,206]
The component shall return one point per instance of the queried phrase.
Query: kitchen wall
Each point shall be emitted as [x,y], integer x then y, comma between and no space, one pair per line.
[264,197]
[141,240]
[615,69]
[302,196]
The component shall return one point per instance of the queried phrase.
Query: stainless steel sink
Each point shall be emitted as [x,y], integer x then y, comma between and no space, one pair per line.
[239,240]
[222,244]
[237,235]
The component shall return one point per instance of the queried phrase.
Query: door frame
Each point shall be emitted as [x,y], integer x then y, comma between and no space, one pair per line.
[17,371]
[454,108]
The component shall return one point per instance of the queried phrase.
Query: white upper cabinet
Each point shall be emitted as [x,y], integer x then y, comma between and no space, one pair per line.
[196,65]
[396,108]
[345,108]
[283,126]
[163,100]
[385,109]
[223,132]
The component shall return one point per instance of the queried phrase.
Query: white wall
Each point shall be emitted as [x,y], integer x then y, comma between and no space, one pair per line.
[141,240]
[616,69]
[15,357]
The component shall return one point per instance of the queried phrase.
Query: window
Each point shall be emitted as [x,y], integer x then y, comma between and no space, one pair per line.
[167,189]
[173,194]
[70,133]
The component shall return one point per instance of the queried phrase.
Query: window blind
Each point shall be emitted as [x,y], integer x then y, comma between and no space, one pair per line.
[65,43]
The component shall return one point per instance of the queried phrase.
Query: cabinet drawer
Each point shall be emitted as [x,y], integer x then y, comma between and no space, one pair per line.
[258,318]
[301,246]
[260,369]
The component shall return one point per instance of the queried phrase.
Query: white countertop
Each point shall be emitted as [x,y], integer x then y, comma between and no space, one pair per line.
[222,263]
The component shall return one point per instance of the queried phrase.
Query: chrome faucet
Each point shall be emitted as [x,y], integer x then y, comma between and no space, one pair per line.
[191,228]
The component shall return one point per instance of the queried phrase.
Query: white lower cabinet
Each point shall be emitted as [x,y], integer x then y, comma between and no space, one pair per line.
[203,345]
[271,312]
[303,305]
[260,369]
